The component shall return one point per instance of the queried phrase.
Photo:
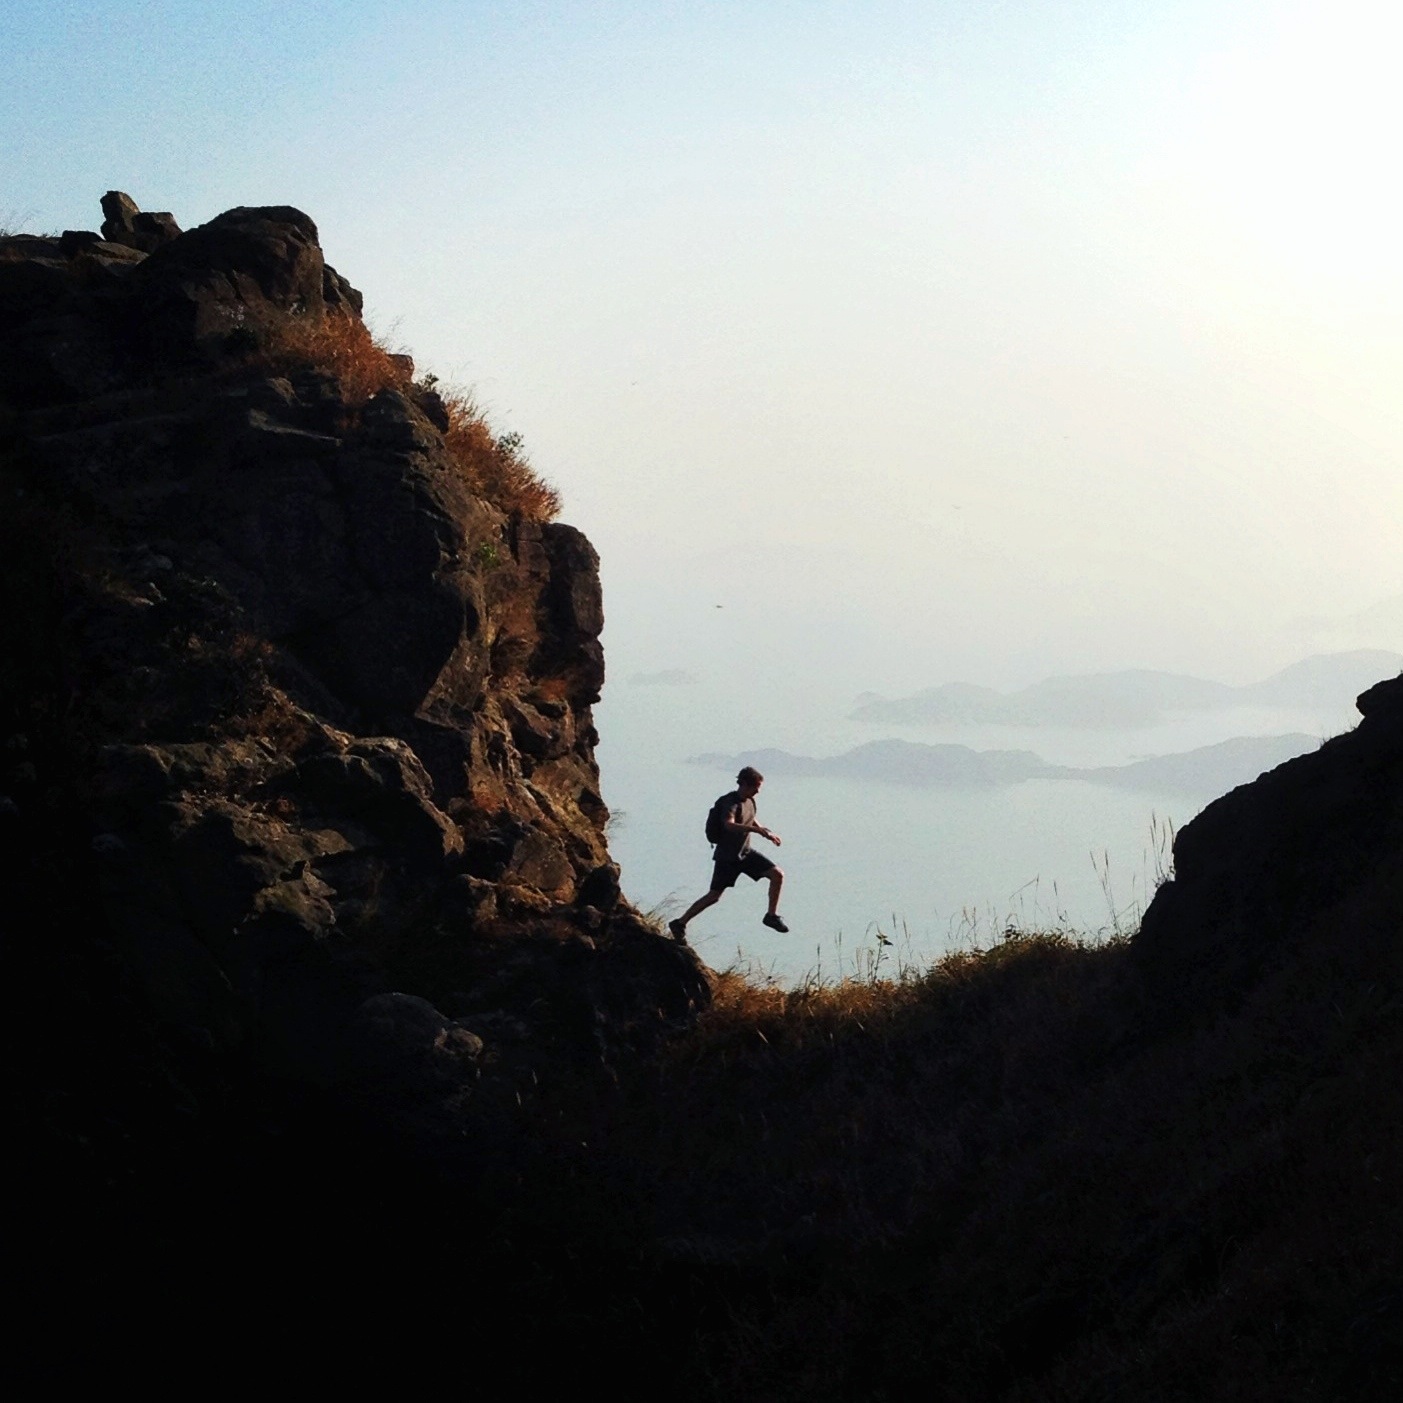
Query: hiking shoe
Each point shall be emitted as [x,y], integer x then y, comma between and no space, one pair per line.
[679,931]
[775,923]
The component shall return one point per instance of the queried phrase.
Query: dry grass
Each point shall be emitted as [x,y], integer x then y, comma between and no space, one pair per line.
[790,1016]
[493,466]
[344,347]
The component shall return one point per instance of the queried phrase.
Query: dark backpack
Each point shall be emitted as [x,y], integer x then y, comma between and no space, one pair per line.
[716,817]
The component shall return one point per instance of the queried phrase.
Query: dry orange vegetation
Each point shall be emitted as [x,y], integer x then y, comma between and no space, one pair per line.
[342,346]
[492,466]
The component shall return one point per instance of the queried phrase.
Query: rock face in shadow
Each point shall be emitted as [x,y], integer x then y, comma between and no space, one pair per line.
[1266,863]
[322,708]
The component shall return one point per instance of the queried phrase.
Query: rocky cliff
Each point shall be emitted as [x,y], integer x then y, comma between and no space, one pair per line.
[293,688]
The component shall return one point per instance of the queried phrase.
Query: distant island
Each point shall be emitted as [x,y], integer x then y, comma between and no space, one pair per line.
[1211,769]
[1126,700]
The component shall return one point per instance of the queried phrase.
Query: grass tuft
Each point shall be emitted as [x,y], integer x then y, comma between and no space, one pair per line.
[492,466]
[495,466]
[342,346]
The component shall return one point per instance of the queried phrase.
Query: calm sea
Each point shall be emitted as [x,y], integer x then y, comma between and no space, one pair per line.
[927,869]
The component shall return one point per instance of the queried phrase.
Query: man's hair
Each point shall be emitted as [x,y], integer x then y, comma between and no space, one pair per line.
[749,775]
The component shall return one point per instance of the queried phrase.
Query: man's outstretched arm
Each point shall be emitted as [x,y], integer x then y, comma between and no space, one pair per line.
[736,826]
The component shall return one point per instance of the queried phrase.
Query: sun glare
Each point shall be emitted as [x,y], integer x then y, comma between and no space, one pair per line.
[1292,146]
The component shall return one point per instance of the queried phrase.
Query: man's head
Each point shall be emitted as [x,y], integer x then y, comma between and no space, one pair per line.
[749,781]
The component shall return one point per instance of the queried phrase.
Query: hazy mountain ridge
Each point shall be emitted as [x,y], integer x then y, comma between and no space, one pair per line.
[1133,698]
[1210,767]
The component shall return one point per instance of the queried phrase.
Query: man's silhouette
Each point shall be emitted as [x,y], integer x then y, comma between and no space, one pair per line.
[734,855]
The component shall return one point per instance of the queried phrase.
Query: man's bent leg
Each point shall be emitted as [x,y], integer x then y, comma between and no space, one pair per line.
[696,908]
[772,916]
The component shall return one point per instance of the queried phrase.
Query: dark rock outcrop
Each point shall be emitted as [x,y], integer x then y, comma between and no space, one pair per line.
[124,223]
[323,706]
[216,288]
[1267,863]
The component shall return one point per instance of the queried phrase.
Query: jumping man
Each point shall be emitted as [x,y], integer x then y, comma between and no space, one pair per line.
[734,855]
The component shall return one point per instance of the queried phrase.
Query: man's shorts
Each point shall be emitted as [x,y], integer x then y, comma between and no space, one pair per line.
[754,865]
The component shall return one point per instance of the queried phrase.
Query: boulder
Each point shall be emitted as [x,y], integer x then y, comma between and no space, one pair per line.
[223,286]
[74,241]
[125,224]
[379,783]
[119,213]
[154,229]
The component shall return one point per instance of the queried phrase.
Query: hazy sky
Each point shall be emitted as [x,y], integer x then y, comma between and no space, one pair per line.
[970,340]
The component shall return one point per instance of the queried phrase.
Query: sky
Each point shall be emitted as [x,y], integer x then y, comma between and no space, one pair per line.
[931,342]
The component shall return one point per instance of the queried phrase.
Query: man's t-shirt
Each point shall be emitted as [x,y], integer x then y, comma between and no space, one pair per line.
[735,845]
